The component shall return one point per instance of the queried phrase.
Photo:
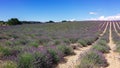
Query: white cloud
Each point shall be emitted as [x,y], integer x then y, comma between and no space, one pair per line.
[72,19]
[101,18]
[114,17]
[93,13]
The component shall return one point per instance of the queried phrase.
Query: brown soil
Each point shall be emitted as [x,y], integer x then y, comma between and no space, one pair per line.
[73,60]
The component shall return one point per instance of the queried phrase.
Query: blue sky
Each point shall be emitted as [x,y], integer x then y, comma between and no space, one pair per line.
[57,10]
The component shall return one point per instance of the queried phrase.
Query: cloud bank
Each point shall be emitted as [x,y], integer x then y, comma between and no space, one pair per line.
[114,17]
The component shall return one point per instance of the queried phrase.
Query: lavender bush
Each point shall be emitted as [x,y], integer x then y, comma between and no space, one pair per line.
[92,59]
[43,45]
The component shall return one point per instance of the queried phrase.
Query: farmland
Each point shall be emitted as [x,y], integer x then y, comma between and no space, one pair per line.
[84,44]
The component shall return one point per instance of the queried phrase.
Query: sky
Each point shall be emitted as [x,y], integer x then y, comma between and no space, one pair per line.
[57,10]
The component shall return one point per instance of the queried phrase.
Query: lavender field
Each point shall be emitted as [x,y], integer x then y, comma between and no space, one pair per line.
[52,45]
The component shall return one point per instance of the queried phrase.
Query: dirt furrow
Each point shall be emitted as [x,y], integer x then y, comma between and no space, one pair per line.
[112,57]
[73,60]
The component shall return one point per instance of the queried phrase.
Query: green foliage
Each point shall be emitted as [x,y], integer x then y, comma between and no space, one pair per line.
[64,21]
[102,42]
[73,40]
[2,23]
[67,41]
[5,51]
[21,42]
[54,56]
[57,42]
[25,60]
[83,43]
[42,61]
[35,44]
[65,49]
[92,59]
[24,38]
[13,21]
[50,21]
[91,40]
[101,46]
[8,43]
[118,47]
[87,41]
[10,64]
[43,41]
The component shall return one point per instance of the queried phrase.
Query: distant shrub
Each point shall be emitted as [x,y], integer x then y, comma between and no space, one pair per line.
[14,21]
[64,21]
[25,60]
[50,21]
[92,59]
[2,23]
[65,49]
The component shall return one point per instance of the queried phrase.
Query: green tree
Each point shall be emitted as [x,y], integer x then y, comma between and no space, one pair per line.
[14,21]
[50,21]
[64,21]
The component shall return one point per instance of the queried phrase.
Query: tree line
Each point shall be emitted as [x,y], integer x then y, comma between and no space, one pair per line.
[15,21]
[12,21]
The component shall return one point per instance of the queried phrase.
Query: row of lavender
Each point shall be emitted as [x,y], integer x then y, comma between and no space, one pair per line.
[43,45]
[116,37]
[94,58]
